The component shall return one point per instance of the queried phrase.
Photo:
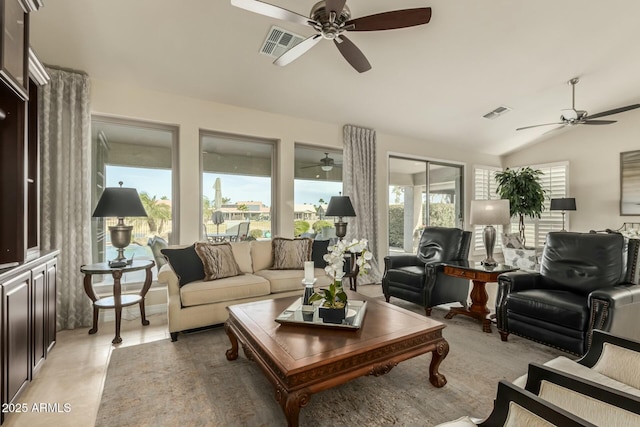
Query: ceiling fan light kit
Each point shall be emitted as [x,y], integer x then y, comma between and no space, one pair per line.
[570,117]
[331,19]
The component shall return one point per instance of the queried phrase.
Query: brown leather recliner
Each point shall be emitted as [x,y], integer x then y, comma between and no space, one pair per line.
[584,283]
[420,278]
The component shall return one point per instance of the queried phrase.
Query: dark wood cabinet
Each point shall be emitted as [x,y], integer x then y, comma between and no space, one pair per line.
[14,44]
[28,326]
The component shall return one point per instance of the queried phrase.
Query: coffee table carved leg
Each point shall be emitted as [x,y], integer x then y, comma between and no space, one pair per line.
[291,403]
[438,355]
[232,353]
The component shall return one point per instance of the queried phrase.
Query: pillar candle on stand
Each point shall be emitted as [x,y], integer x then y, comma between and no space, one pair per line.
[309,274]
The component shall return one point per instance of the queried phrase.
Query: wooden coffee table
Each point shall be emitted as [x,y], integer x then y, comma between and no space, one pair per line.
[300,360]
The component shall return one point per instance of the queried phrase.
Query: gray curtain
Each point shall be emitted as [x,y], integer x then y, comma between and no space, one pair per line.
[359,183]
[65,193]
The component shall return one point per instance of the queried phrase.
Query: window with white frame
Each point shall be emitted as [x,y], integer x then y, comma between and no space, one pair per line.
[554,181]
[484,188]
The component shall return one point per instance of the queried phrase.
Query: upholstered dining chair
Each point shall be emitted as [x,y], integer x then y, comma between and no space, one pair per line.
[420,278]
[584,283]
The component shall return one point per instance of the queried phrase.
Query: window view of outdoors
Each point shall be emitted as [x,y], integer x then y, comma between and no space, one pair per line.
[140,155]
[236,187]
[318,176]
[415,203]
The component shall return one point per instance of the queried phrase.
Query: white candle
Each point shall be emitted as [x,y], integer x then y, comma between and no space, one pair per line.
[308,272]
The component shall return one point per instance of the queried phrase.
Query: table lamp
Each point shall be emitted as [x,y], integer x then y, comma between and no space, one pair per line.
[488,213]
[340,206]
[119,202]
[564,204]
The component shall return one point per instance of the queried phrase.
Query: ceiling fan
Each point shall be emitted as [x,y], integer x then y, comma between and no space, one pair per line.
[326,164]
[572,116]
[331,19]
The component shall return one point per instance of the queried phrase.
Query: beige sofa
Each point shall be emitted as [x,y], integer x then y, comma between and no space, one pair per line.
[204,303]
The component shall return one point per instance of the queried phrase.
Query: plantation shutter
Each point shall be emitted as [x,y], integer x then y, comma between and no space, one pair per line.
[484,188]
[554,182]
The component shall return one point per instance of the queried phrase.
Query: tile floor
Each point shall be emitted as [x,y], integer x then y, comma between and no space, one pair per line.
[75,370]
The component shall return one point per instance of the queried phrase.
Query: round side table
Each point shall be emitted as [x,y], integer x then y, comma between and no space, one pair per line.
[117,301]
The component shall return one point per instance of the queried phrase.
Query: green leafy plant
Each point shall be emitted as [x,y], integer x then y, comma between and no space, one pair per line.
[334,296]
[525,194]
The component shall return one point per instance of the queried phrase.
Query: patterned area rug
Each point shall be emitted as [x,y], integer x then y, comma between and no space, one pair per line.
[191,383]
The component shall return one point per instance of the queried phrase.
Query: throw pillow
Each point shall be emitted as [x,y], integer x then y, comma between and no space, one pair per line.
[290,254]
[218,260]
[318,251]
[512,240]
[185,263]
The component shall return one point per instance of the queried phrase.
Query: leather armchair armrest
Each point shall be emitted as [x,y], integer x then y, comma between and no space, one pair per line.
[397,261]
[513,281]
[615,310]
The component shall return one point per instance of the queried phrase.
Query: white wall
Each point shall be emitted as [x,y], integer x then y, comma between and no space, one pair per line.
[593,153]
[191,115]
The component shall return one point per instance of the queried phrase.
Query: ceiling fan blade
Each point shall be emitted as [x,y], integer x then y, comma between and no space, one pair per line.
[272,11]
[391,20]
[335,6]
[309,167]
[298,50]
[545,124]
[614,111]
[352,54]
[597,122]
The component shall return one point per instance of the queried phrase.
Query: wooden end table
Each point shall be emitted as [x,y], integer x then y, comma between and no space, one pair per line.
[298,366]
[117,301]
[480,275]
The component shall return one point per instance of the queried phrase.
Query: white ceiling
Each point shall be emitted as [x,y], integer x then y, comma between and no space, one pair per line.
[432,82]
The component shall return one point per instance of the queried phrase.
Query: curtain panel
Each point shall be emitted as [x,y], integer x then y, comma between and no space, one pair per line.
[359,183]
[65,193]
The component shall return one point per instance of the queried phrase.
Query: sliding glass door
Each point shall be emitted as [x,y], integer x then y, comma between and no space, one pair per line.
[422,193]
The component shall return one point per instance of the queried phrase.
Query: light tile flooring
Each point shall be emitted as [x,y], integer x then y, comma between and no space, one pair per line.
[75,370]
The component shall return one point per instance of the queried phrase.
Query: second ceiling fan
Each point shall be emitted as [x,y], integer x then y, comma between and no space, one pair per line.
[331,19]
[572,116]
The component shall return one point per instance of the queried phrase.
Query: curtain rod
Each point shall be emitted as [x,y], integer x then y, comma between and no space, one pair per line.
[67,69]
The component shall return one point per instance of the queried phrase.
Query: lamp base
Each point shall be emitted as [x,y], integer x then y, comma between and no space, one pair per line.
[489,237]
[120,239]
[341,229]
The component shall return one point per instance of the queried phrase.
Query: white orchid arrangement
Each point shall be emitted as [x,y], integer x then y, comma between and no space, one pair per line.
[335,296]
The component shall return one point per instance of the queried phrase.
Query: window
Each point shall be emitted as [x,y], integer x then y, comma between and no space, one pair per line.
[555,184]
[554,180]
[484,188]
[142,156]
[237,186]
[317,177]
[422,193]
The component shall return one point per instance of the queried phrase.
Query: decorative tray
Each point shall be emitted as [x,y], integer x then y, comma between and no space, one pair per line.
[297,314]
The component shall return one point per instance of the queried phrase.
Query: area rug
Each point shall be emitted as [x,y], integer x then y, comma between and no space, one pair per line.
[191,383]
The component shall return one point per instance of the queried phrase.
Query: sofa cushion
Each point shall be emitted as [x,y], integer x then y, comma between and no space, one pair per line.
[221,290]
[242,254]
[218,260]
[261,254]
[290,280]
[186,263]
[290,254]
[558,307]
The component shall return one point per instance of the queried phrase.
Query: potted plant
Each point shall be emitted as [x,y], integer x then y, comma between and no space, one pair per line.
[525,193]
[333,306]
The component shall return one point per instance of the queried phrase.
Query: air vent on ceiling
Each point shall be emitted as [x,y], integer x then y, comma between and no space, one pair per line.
[497,112]
[278,41]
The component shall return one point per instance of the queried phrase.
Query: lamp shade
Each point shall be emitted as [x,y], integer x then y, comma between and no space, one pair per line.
[565,204]
[490,212]
[340,206]
[119,202]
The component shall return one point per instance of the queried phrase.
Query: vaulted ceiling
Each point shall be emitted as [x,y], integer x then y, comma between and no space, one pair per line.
[432,82]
